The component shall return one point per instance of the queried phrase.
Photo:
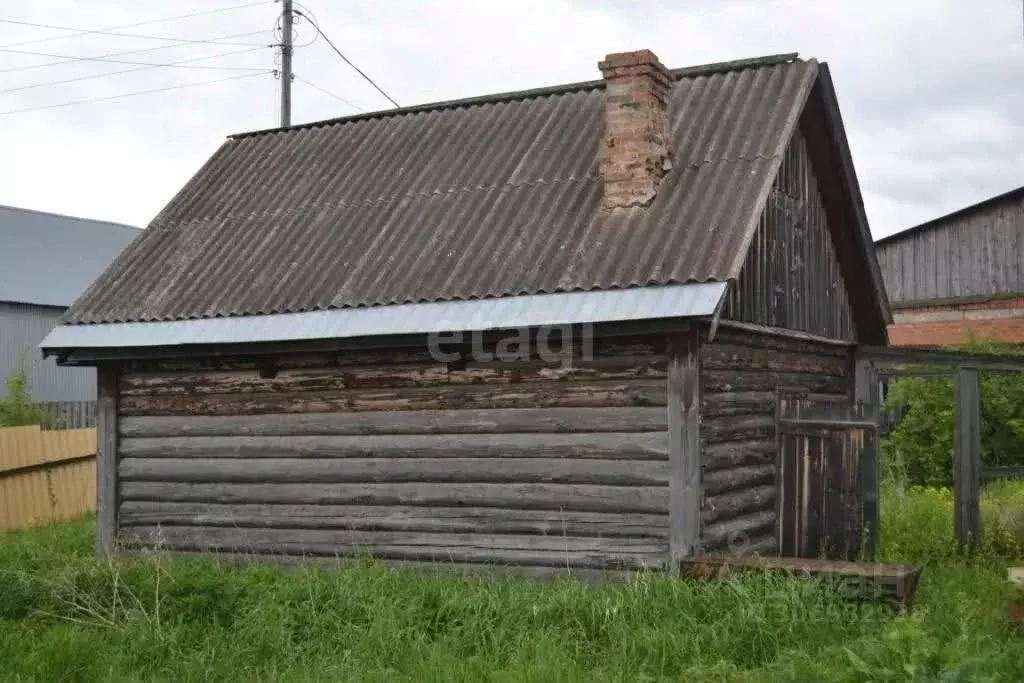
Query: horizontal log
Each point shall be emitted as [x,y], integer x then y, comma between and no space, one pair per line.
[732,479]
[738,403]
[487,421]
[719,356]
[713,381]
[395,518]
[653,499]
[600,348]
[639,446]
[719,456]
[540,395]
[736,503]
[738,531]
[400,470]
[460,570]
[757,340]
[767,545]
[477,548]
[433,373]
[741,428]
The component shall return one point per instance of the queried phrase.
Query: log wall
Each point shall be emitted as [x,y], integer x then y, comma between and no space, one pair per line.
[392,454]
[740,373]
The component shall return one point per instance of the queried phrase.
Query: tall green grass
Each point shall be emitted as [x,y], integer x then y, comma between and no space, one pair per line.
[67,616]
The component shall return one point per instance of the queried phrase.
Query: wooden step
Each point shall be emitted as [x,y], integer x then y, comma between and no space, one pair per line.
[894,584]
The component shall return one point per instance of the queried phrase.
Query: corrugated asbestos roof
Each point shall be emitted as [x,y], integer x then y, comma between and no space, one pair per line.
[489,197]
[49,260]
[510,312]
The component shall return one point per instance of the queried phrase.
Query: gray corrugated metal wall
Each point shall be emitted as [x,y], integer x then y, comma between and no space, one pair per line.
[25,325]
[977,254]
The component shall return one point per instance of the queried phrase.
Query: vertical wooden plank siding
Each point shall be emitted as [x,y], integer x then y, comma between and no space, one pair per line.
[684,445]
[967,460]
[791,278]
[741,373]
[976,253]
[106,458]
[868,401]
[534,462]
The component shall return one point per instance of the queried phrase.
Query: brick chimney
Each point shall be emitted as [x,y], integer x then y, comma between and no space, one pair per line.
[635,151]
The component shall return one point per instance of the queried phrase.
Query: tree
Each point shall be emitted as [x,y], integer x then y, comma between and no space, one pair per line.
[919,447]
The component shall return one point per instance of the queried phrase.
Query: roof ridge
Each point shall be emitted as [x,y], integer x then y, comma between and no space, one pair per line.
[52,214]
[935,222]
[512,95]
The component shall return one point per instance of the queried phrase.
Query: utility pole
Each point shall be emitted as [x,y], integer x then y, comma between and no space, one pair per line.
[286,63]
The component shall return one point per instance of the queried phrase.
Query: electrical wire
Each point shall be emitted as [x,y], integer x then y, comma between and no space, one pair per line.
[131,94]
[101,31]
[69,59]
[328,92]
[346,59]
[146,67]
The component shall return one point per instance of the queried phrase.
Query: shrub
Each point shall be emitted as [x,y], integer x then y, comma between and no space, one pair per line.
[16,406]
[918,448]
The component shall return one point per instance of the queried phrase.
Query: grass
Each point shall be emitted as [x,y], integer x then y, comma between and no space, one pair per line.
[66,616]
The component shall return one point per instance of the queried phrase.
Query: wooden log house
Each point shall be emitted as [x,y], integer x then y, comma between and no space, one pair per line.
[545,329]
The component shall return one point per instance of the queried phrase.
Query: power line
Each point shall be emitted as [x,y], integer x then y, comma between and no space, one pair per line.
[131,94]
[146,67]
[103,32]
[68,59]
[79,32]
[328,92]
[346,59]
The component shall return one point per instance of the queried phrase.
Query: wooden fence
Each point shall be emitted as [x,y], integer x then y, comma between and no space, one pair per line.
[70,414]
[45,475]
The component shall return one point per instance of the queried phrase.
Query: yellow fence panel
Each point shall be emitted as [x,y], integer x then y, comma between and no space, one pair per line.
[46,476]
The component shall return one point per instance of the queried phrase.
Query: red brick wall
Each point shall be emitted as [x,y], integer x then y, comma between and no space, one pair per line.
[1001,320]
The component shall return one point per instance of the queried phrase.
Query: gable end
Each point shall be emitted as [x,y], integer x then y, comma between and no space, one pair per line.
[791,276]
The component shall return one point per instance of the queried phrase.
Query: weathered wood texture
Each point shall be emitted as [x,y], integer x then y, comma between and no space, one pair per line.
[895,584]
[684,444]
[792,278]
[515,549]
[821,479]
[967,460]
[106,458]
[525,462]
[740,374]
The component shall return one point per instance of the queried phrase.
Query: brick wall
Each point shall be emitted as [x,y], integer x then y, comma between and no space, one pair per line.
[1001,320]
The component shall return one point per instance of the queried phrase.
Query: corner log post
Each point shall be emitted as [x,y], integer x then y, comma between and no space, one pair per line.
[106,459]
[684,446]
[867,403]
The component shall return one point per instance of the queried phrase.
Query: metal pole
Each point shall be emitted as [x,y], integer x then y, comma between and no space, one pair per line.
[286,63]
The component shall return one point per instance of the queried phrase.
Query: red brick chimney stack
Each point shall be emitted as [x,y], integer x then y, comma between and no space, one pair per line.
[635,151]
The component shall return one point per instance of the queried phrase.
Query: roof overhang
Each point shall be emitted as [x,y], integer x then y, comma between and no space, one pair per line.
[692,300]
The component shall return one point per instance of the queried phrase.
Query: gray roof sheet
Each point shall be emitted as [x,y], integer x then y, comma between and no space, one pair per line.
[49,260]
[489,197]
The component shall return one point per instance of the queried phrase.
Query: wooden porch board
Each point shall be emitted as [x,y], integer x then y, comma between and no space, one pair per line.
[893,583]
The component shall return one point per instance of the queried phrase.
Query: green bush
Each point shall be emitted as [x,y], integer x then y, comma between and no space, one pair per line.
[918,449]
[917,523]
[16,406]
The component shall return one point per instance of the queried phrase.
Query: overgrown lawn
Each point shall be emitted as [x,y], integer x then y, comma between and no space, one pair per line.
[66,616]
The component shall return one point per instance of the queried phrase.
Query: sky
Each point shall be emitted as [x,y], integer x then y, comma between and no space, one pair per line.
[931,91]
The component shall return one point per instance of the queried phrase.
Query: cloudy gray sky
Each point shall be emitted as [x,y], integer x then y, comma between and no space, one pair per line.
[932,91]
